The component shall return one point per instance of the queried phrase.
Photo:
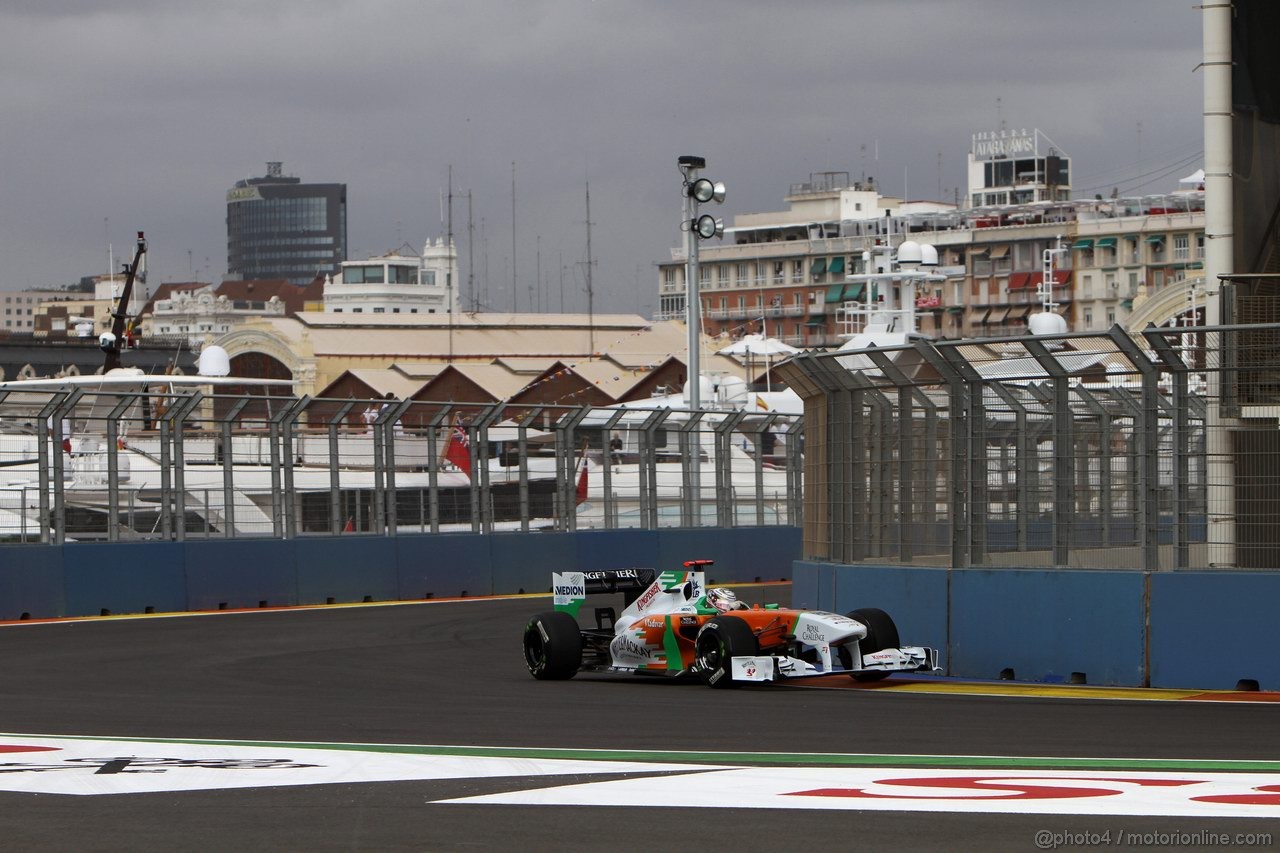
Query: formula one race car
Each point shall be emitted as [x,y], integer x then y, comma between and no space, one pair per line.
[673,625]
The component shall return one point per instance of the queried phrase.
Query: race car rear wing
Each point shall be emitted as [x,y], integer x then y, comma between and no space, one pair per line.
[619,580]
[572,588]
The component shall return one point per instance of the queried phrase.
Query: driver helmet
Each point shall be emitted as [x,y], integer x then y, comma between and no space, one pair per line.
[723,599]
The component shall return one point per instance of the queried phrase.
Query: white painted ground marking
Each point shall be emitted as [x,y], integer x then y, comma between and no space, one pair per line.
[86,766]
[1191,794]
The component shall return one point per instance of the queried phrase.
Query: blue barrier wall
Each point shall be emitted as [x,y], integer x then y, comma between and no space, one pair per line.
[1213,628]
[82,579]
[1199,630]
[31,582]
[1048,624]
[916,598]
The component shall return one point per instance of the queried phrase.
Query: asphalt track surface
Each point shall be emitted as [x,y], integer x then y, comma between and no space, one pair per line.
[452,673]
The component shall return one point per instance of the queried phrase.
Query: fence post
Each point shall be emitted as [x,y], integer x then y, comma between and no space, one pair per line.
[688,435]
[1181,444]
[1063,451]
[59,407]
[906,453]
[178,413]
[648,471]
[949,367]
[1147,426]
[113,465]
[1024,464]
[336,524]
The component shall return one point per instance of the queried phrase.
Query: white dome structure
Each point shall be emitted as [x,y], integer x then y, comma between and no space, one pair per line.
[706,389]
[733,390]
[214,361]
[1047,323]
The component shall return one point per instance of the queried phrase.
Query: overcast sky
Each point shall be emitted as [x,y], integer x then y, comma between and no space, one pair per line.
[126,115]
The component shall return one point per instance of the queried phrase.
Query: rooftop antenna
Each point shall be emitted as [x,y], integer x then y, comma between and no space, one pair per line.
[471,256]
[484,283]
[515,291]
[1048,321]
[1142,186]
[448,272]
[591,313]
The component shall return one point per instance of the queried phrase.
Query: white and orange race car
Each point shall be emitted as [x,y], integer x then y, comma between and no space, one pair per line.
[673,625]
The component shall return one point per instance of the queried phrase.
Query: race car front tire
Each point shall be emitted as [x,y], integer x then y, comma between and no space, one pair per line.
[881,634]
[720,640]
[553,646]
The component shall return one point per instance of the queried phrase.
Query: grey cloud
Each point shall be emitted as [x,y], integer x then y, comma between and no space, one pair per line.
[143,113]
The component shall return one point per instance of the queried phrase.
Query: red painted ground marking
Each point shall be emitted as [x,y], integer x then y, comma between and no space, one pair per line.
[5,747]
[1235,696]
[1003,788]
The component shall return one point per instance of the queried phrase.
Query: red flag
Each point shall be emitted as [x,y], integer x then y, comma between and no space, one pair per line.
[582,483]
[459,450]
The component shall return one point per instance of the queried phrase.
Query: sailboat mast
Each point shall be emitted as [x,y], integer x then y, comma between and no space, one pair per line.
[591,312]
[471,255]
[448,259]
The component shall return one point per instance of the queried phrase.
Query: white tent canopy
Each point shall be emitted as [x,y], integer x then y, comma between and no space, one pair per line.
[754,345]
[758,345]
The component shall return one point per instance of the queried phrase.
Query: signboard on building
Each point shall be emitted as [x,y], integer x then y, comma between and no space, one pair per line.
[243,194]
[997,144]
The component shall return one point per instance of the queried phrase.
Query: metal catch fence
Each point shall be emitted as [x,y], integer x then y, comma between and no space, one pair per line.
[1157,450]
[172,464]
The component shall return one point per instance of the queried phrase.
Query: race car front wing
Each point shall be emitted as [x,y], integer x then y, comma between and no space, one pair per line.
[778,667]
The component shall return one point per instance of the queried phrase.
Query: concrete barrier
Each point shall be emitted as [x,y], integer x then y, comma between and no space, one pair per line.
[88,579]
[1212,629]
[1200,630]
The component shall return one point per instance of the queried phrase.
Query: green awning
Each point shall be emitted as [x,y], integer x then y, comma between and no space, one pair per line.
[1082,243]
[836,267]
[1155,238]
[1133,238]
[853,292]
[1126,303]
[812,322]
[955,309]
[835,293]
[819,266]
[1106,243]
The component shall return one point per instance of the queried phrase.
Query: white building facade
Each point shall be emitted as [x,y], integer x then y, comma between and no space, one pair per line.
[397,284]
[199,314]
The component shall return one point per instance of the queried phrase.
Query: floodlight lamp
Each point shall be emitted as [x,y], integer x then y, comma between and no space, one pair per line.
[701,190]
[707,226]
[704,190]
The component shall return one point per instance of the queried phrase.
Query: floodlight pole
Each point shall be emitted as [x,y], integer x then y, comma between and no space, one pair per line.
[689,167]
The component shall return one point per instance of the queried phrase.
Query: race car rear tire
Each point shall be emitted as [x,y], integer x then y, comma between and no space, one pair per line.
[720,640]
[881,634]
[553,646]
